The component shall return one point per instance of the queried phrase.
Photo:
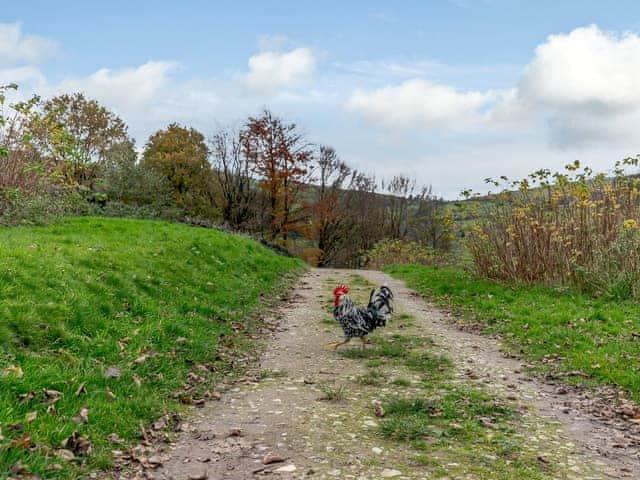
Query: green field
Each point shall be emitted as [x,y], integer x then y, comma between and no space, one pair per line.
[114,316]
[596,340]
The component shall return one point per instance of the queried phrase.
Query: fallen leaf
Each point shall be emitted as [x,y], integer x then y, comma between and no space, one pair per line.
[31,416]
[26,397]
[157,460]
[141,359]
[83,416]
[51,396]
[77,444]
[137,380]
[81,389]
[379,411]
[112,372]
[110,395]
[64,454]
[269,459]
[22,442]
[160,424]
[20,468]
[234,432]
[14,370]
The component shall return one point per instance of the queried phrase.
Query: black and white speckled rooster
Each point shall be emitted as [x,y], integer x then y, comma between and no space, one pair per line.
[360,322]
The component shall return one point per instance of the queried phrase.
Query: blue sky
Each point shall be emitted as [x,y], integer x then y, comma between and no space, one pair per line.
[448,91]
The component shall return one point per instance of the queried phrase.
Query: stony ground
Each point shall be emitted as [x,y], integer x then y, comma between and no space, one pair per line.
[305,412]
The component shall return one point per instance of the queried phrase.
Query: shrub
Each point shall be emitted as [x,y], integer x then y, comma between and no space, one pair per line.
[574,227]
[389,252]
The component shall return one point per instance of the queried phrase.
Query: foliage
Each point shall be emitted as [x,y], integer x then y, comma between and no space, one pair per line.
[126,181]
[555,228]
[180,155]
[165,308]
[569,333]
[280,157]
[77,134]
[328,213]
[390,252]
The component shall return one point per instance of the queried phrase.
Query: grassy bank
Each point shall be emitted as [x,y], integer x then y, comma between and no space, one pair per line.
[113,316]
[562,331]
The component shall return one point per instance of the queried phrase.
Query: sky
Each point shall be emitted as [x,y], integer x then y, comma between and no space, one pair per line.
[447,91]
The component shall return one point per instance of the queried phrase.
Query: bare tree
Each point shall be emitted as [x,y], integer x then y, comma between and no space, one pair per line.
[431,223]
[232,170]
[401,189]
[328,214]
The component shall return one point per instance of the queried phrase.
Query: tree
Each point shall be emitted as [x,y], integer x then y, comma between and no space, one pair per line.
[232,170]
[328,216]
[78,133]
[180,154]
[280,156]
[401,190]
[20,163]
[431,223]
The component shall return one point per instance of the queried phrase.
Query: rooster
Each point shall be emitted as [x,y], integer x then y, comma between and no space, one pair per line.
[359,322]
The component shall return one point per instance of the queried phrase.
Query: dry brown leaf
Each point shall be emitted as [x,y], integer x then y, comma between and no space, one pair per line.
[25,397]
[81,389]
[77,444]
[22,442]
[112,372]
[137,380]
[31,416]
[141,359]
[14,370]
[20,468]
[269,459]
[83,416]
[51,396]
[64,454]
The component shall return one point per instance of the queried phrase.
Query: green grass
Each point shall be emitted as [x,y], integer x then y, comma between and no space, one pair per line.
[157,301]
[454,429]
[563,331]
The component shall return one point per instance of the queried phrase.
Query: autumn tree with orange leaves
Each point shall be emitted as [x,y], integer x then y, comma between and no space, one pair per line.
[281,158]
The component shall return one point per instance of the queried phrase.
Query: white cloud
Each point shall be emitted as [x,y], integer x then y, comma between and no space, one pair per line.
[125,89]
[270,71]
[15,47]
[418,103]
[588,82]
[586,68]
[582,87]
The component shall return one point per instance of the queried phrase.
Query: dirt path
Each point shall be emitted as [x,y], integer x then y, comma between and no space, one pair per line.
[279,411]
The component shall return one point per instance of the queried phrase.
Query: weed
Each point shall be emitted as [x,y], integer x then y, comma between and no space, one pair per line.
[333,393]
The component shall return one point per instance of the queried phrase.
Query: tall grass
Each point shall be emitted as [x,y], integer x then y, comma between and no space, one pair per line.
[573,227]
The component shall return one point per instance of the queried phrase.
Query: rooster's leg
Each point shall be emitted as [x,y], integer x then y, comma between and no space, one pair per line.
[335,345]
